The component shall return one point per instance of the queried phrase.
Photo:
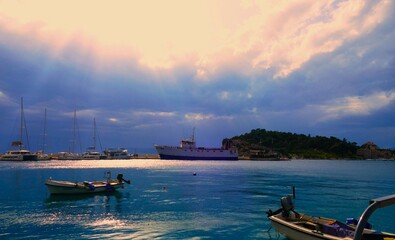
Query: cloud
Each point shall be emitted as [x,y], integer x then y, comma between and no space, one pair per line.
[154,114]
[114,120]
[356,105]
[305,29]
[224,95]
[5,100]
[251,35]
[149,69]
[205,117]
[84,113]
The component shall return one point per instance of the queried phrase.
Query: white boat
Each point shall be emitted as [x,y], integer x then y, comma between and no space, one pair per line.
[19,154]
[86,187]
[41,155]
[117,153]
[68,156]
[71,154]
[187,150]
[296,226]
[92,155]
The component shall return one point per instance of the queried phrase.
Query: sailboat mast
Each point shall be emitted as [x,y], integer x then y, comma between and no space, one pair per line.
[94,134]
[45,128]
[21,127]
[73,144]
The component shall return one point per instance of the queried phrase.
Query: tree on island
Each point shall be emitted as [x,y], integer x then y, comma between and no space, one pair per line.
[294,145]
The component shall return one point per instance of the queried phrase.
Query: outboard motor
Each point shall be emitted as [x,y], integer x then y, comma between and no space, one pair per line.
[120,179]
[287,205]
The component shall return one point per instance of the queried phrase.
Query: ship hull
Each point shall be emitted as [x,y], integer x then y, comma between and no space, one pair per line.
[215,154]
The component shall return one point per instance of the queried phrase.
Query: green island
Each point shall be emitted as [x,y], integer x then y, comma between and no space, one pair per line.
[261,144]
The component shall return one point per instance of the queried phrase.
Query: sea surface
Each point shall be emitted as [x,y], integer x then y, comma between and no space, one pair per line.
[224,200]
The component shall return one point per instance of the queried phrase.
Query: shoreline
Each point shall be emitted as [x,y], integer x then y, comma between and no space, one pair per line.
[156,157]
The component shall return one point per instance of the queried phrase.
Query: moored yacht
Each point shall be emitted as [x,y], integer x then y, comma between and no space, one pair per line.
[19,154]
[68,156]
[93,155]
[117,153]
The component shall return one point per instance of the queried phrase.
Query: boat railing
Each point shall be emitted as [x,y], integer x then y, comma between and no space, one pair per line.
[374,204]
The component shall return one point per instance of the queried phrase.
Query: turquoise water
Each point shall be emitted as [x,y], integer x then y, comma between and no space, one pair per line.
[225,200]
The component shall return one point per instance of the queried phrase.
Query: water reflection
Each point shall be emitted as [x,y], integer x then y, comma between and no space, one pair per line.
[223,201]
[78,197]
[87,206]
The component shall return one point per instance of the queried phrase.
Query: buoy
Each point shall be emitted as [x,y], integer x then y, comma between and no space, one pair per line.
[194,174]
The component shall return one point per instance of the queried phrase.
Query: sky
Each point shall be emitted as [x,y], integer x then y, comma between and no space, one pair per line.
[149,72]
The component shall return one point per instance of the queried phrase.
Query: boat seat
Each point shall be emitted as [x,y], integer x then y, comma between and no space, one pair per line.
[310,225]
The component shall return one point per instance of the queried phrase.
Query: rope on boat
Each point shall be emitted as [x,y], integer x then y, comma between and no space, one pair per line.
[270,236]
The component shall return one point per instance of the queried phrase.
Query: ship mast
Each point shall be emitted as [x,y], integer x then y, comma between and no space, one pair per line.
[193,134]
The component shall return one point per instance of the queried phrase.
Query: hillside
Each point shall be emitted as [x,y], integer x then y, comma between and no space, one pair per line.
[260,143]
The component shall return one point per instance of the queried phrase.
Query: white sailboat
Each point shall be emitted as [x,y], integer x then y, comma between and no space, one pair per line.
[92,154]
[41,154]
[71,155]
[19,154]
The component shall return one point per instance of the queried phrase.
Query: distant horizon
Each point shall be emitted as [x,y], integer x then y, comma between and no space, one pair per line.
[151,149]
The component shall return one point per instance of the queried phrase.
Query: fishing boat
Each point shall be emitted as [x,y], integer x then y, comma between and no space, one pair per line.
[86,187]
[297,226]
[187,150]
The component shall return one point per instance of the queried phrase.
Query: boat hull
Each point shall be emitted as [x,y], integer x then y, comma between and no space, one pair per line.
[294,232]
[186,157]
[65,187]
[178,153]
[296,226]
[20,157]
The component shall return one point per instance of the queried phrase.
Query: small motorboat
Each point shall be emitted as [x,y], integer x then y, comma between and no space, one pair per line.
[67,187]
[297,226]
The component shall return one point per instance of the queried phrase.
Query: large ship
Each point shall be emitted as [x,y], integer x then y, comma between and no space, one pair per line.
[187,150]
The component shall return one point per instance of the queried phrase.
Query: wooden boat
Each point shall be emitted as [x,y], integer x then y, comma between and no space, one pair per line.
[86,187]
[296,226]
